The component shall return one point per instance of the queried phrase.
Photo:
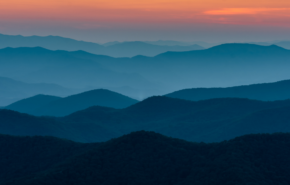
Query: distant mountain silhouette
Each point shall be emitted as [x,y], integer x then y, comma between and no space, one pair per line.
[220,66]
[180,43]
[131,49]
[13,90]
[145,158]
[266,92]
[48,42]
[53,106]
[284,44]
[69,69]
[30,105]
[114,49]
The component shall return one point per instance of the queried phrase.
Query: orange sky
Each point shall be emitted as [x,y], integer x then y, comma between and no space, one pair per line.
[239,11]
[90,14]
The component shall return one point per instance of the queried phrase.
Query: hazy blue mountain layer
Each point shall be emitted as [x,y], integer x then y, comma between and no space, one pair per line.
[54,106]
[208,121]
[12,90]
[124,49]
[32,104]
[220,66]
[145,158]
[64,68]
[131,49]
[180,43]
[283,44]
[265,92]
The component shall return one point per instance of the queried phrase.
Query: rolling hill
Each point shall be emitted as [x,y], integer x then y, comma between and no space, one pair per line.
[208,121]
[145,158]
[202,121]
[20,124]
[31,104]
[54,106]
[265,92]
[13,90]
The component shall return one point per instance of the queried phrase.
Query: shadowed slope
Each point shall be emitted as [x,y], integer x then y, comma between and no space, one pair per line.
[29,105]
[266,92]
[149,158]
[100,97]
[14,123]
[53,106]
[208,121]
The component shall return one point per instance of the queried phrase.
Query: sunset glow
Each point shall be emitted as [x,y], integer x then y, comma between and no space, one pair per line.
[244,11]
[95,14]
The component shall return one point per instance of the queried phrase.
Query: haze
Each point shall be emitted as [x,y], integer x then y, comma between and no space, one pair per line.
[184,20]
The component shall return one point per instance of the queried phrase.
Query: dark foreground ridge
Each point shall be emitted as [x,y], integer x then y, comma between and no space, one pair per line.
[145,158]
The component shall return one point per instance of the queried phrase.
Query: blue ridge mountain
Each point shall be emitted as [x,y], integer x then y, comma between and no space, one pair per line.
[55,106]
[265,92]
[115,49]
[13,90]
[201,121]
[220,66]
[31,104]
[39,65]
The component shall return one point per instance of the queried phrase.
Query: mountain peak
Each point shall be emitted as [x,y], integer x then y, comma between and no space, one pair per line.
[243,47]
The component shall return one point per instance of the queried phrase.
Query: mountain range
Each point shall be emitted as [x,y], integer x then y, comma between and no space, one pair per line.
[117,49]
[181,43]
[43,105]
[141,77]
[284,44]
[143,113]
[265,92]
[207,121]
[145,158]
[69,69]
[13,90]
[220,66]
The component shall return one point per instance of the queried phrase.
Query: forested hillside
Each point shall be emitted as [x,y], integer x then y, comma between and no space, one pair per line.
[146,158]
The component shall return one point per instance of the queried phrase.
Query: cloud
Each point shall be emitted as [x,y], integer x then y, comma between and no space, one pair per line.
[242,11]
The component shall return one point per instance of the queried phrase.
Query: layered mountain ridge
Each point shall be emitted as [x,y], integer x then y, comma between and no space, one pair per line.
[145,158]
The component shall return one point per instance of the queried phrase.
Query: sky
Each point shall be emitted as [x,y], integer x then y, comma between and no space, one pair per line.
[184,20]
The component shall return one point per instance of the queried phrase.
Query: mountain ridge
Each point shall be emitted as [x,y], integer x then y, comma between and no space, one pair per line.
[55,106]
[211,120]
[124,49]
[264,91]
[148,158]
[14,90]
